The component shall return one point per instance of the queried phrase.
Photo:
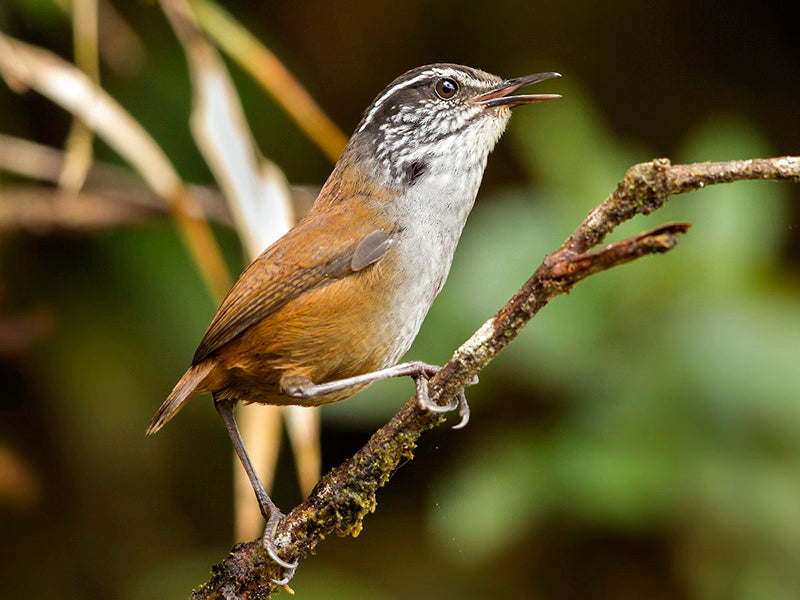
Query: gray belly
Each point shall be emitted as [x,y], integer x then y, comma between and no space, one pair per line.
[426,265]
[430,217]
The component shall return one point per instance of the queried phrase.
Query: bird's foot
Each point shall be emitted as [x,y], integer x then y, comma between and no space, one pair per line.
[425,403]
[268,540]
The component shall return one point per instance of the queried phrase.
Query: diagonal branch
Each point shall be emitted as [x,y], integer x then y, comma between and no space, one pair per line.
[347,493]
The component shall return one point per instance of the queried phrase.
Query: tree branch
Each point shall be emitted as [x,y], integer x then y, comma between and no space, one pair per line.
[347,493]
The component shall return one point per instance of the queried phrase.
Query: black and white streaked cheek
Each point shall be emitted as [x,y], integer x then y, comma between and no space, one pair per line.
[411,126]
[484,82]
[461,139]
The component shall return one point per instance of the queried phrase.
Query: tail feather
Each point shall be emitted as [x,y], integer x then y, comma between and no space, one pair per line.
[179,395]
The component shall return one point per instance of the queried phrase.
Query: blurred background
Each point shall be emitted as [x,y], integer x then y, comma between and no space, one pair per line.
[641,439]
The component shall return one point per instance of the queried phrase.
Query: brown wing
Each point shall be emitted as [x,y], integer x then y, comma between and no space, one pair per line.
[286,270]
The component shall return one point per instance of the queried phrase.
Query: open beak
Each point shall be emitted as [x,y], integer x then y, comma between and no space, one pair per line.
[501,95]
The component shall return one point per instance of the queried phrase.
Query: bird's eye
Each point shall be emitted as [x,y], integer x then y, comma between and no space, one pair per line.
[446,88]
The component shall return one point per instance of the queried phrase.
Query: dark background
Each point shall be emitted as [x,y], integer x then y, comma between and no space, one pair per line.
[640,439]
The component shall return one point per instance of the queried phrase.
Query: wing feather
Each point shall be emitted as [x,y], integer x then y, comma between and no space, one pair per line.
[272,280]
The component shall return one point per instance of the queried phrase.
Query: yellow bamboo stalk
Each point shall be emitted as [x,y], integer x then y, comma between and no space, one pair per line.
[78,148]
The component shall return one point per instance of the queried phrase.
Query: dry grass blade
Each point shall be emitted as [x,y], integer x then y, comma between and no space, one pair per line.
[112,195]
[79,141]
[67,86]
[106,184]
[30,159]
[256,189]
[261,204]
[44,209]
[119,46]
[302,424]
[252,56]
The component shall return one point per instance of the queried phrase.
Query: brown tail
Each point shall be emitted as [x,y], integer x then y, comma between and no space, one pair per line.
[179,395]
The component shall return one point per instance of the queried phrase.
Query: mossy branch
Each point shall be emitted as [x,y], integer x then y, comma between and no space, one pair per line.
[344,496]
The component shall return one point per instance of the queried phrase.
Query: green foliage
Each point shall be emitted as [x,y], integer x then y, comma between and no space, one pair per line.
[39,13]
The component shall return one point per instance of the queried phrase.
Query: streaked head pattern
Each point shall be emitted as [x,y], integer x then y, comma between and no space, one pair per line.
[440,110]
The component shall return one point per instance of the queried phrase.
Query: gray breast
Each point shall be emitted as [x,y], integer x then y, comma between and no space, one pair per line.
[430,217]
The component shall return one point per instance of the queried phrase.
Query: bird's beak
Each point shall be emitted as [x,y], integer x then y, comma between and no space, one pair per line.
[500,96]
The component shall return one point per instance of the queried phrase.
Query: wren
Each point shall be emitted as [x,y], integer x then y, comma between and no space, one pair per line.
[334,304]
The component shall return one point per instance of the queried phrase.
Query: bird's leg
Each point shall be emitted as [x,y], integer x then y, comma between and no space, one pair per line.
[269,511]
[302,387]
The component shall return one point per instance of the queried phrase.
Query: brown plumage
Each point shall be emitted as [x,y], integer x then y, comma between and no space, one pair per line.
[270,327]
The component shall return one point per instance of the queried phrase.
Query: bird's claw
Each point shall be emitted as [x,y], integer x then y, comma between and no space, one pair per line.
[463,411]
[268,540]
[286,579]
[425,403]
[424,400]
[291,566]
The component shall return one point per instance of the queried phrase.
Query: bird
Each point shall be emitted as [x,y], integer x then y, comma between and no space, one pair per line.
[335,303]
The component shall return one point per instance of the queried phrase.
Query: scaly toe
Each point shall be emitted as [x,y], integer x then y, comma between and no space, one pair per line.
[286,565]
[286,579]
[463,411]
[296,386]
[436,408]
[268,540]
[424,400]
[426,370]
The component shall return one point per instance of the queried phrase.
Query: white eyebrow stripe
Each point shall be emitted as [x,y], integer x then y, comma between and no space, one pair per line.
[400,86]
[391,91]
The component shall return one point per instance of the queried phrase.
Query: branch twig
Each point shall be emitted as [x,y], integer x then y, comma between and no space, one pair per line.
[111,195]
[347,493]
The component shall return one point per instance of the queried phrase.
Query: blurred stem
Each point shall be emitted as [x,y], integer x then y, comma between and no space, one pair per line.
[78,148]
[253,57]
[111,196]
[117,43]
[84,30]
[109,190]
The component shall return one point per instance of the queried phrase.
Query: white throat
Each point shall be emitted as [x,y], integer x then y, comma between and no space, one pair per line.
[430,216]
